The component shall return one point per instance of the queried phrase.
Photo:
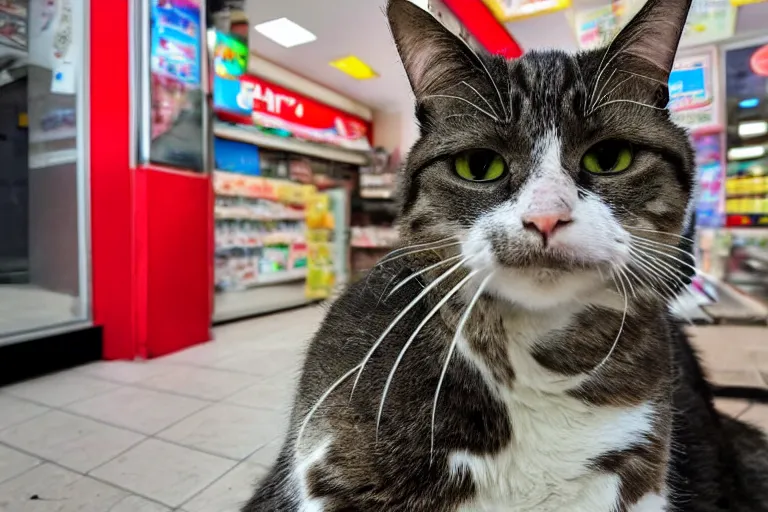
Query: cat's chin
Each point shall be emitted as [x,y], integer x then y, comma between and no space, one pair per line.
[544,288]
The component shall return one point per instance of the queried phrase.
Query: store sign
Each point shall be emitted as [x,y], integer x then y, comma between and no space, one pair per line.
[691,97]
[513,10]
[738,3]
[597,26]
[176,85]
[709,21]
[758,63]
[252,100]
[230,56]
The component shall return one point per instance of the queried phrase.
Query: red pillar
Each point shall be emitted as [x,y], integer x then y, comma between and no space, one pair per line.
[151,228]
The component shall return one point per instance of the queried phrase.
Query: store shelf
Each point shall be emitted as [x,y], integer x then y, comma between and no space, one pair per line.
[289,145]
[40,137]
[281,277]
[259,301]
[52,158]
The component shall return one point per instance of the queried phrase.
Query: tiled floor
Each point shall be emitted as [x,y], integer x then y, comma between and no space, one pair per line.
[193,431]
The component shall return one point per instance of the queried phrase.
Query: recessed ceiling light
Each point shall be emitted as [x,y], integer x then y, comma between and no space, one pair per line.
[749,129]
[746,153]
[354,67]
[285,32]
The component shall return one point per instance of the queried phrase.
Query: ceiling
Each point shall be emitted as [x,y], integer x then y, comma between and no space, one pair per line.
[342,27]
[359,27]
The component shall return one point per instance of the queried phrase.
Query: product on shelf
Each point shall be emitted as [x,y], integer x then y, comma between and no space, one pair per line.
[261,232]
[321,274]
[374,237]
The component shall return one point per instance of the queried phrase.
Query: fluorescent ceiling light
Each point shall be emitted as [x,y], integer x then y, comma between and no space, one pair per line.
[354,67]
[746,153]
[752,129]
[285,32]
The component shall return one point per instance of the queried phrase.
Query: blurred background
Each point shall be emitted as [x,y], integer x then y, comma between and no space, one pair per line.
[182,183]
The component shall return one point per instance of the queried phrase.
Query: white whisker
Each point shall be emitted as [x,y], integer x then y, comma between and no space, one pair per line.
[660,232]
[604,96]
[448,96]
[400,316]
[422,271]
[319,402]
[626,101]
[454,342]
[412,338]
[482,98]
[621,328]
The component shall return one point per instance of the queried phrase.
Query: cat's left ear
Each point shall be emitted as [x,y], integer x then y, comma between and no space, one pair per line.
[434,58]
[647,45]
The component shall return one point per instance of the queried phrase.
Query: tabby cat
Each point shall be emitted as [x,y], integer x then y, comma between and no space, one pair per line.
[517,354]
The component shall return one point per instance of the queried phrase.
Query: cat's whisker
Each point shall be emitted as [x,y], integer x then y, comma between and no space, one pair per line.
[400,316]
[451,348]
[638,75]
[644,240]
[650,247]
[482,98]
[630,228]
[601,68]
[389,283]
[420,272]
[639,103]
[453,291]
[594,100]
[604,96]
[621,327]
[448,96]
[428,245]
[622,272]
[488,73]
[653,273]
[661,266]
[319,402]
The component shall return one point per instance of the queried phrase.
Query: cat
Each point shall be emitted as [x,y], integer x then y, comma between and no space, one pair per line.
[516,353]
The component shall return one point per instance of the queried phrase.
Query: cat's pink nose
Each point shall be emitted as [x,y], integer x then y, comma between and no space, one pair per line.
[547,224]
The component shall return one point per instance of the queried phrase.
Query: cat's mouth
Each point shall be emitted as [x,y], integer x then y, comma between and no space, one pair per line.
[548,262]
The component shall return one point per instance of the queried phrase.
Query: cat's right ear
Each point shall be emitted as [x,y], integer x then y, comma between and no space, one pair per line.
[434,58]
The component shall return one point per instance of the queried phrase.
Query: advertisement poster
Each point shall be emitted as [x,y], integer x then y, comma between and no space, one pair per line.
[13,23]
[176,94]
[691,97]
[230,56]
[284,113]
[709,21]
[513,10]
[596,27]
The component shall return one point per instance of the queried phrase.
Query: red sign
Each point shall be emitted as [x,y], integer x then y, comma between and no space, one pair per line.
[759,61]
[270,106]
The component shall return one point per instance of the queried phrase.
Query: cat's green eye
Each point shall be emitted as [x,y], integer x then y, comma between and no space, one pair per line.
[608,157]
[480,165]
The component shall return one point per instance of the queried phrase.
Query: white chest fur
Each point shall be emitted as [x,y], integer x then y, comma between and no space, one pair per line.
[547,466]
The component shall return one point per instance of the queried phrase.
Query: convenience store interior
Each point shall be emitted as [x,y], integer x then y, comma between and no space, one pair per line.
[306,145]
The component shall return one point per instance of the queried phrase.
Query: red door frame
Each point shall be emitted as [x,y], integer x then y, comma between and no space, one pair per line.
[143,313]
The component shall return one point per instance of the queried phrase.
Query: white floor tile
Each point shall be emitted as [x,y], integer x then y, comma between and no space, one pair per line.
[228,430]
[134,503]
[266,456]
[13,463]
[229,493]
[143,410]
[262,364]
[200,382]
[275,394]
[126,372]
[15,410]
[164,472]
[49,488]
[74,442]
[60,388]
